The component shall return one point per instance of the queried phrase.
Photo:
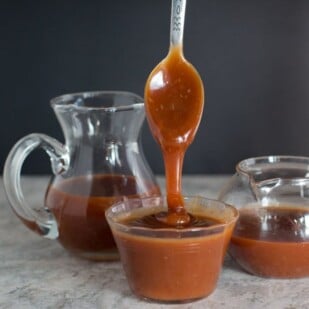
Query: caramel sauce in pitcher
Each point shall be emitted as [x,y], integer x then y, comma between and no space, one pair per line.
[79,206]
[273,241]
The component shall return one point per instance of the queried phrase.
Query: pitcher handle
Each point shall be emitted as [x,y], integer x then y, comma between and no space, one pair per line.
[39,220]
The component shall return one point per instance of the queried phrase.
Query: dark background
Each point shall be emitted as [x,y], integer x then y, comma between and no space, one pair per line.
[253,56]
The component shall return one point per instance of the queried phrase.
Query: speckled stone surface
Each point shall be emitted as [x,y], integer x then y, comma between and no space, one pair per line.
[39,273]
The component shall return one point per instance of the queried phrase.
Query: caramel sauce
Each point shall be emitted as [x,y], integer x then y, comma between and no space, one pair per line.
[174,99]
[151,221]
[79,206]
[280,224]
[169,268]
[273,241]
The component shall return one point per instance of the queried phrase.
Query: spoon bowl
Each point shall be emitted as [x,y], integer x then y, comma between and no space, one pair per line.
[174,100]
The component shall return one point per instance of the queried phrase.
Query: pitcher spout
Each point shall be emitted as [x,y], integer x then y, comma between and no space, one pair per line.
[274,176]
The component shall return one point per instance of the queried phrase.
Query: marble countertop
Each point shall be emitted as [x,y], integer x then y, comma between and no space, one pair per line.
[39,273]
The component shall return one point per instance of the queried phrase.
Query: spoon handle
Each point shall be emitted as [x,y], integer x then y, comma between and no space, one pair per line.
[177,21]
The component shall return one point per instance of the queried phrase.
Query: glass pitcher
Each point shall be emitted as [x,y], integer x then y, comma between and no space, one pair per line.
[271,237]
[100,163]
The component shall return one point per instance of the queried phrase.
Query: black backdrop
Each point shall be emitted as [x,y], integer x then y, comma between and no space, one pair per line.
[253,56]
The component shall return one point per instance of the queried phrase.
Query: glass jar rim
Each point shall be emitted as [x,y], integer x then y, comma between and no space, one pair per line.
[247,165]
[174,233]
[70,101]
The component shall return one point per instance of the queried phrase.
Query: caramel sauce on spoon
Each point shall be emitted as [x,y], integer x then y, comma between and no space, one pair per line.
[174,100]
